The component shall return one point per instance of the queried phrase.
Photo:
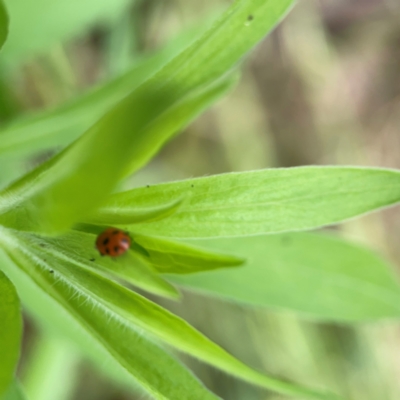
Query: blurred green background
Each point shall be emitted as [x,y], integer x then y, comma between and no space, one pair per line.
[323,88]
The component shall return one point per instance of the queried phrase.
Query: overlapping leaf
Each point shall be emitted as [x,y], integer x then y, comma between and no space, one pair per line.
[152,367]
[319,276]
[134,310]
[264,201]
[136,266]
[170,256]
[215,53]
[69,186]
[55,195]
[202,63]
[77,248]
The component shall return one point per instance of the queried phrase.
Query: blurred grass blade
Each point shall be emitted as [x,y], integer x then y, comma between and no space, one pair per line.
[152,367]
[320,276]
[3,24]
[59,127]
[69,186]
[77,248]
[170,256]
[14,392]
[129,307]
[10,332]
[264,201]
[40,24]
[52,370]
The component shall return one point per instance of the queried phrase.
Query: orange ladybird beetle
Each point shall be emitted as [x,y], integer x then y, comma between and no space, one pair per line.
[113,242]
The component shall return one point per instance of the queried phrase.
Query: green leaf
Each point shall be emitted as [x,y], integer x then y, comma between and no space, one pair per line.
[14,392]
[238,30]
[77,248]
[136,270]
[51,318]
[152,367]
[10,332]
[40,24]
[185,109]
[69,186]
[264,201]
[320,276]
[3,24]
[209,58]
[170,256]
[131,308]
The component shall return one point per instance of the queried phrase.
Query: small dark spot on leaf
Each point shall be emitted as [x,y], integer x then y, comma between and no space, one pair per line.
[147,186]
[92,259]
[42,245]
[192,185]
[105,241]
[51,271]
[250,18]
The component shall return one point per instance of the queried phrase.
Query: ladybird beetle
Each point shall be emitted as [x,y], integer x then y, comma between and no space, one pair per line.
[113,242]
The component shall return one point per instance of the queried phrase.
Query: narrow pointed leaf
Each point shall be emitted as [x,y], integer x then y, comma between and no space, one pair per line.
[151,367]
[137,270]
[265,201]
[320,276]
[10,332]
[170,256]
[217,51]
[139,311]
[186,108]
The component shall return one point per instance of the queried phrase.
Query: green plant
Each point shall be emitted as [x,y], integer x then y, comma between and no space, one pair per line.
[199,232]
